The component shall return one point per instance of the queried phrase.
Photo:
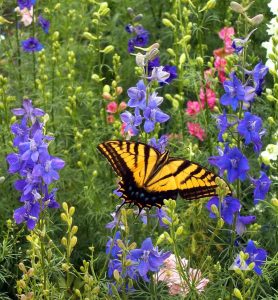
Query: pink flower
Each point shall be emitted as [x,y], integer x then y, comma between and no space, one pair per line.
[26,15]
[209,97]
[220,64]
[226,33]
[123,133]
[110,119]
[170,275]
[196,130]
[193,108]
[122,106]
[112,107]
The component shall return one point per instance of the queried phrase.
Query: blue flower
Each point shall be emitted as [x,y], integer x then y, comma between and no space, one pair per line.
[28,213]
[259,73]
[116,222]
[21,132]
[227,208]
[234,92]
[45,24]
[28,111]
[262,186]
[26,4]
[48,169]
[172,70]
[160,214]
[241,223]
[129,28]
[158,74]
[114,249]
[239,43]
[153,114]
[161,144]
[148,258]
[31,45]
[137,95]
[222,125]
[233,161]
[131,121]
[140,40]
[251,129]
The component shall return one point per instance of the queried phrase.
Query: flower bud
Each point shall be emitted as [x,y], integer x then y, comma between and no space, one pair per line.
[65,267]
[220,223]
[64,217]
[168,23]
[274,201]
[160,239]
[179,231]
[108,49]
[71,211]
[256,20]
[182,59]
[65,206]
[64,241]
[166,221]
[3,21]
[236,7]
[116,275]
[237,294]
[22,267]
[270,98]
[140,59]
[73,241]
[87,35]
[138,18]
[130,10]
[214,209]
[2,179]
[171,52]
[77,293]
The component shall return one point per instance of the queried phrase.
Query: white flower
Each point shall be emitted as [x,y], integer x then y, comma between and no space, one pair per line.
[273,5]
[270,153]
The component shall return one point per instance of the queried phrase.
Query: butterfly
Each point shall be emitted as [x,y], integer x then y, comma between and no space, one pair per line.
[148,176]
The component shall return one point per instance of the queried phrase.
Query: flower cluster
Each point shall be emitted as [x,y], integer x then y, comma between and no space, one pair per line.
[25,11]
[239,96]
[138,262]
[145,101]
[113,108]
[140,38]
[37,168]
[171,276]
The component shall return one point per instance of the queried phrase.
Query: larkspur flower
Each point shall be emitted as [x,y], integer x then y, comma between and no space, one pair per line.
[160,214]
[262,186]
[227,208]
[21,132]
[159,74]
[26,4]
[250,127]
[137,95]
[112,247]
[242,221]
[259,73]
[28,111]
[45,24]
[153,114]
[132,122]
[196,130]
[31,45]
[140,40]
[116,222]
[161,144]
[172,70]
[232,160]
[234,92]
[28,213]
[148,258]
[257,256]
[223,124]
[239,43]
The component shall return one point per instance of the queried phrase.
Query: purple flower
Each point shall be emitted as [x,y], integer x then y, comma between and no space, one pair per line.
[160,214]
[222,125]
[148,258]
[241,223]
[129,28]
[153,114]
[34,149]
[131,121]
[31,45]
[137,95]
[116,222]
[16,164]
[26,4]
[256,255]
[49,199]
[21,132]
[227,208]
[28,111]
[172,70]
[28,213]
[259,73]
[140,40]
[262,186]
[159,75]
[239,43]
[48,170]
[161,144]
[234,92]
[251,129]
[114,249]
[28,184]
[45,24]
[233,161]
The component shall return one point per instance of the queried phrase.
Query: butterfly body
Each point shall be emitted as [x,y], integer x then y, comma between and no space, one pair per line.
[148,176]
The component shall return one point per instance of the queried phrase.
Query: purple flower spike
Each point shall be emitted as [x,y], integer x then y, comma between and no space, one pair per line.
[31,45]
[137,95]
